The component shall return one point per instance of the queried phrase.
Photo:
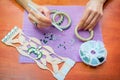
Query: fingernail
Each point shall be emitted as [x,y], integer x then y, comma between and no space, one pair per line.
[85,29]
[79,28]
[90,29]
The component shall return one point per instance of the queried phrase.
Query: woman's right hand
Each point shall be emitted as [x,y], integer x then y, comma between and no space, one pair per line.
[92,14]
[42,19]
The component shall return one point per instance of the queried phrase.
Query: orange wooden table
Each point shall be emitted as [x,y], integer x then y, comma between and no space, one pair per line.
[11,14]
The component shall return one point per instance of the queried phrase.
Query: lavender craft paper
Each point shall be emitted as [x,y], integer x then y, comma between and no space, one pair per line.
[65,43]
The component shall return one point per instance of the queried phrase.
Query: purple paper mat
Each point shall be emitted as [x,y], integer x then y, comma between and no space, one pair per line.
[64,43]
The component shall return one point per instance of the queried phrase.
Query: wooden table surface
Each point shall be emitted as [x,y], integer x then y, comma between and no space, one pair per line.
[11,14]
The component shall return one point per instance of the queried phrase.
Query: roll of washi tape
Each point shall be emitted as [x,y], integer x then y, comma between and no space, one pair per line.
[93,53]
[82,38]
[64,15]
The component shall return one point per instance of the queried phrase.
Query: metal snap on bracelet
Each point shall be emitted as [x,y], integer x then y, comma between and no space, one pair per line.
[82,38]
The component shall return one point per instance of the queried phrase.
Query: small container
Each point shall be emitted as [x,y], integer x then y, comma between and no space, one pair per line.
[93,53]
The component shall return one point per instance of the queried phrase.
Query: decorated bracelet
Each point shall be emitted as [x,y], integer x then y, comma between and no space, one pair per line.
[58,23]
[61,19]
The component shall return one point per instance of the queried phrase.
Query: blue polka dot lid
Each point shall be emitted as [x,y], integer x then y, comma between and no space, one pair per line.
[93,53]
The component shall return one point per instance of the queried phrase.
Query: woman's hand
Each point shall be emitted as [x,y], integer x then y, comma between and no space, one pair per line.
[92,13]
[42,19]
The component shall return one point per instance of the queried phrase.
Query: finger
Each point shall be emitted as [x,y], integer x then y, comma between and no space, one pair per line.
[80,25]
[43,26]
[84,18]
[40,17]
[91,28]
[40,25]
[93,22]
[89,19]
[33,19]
[46,12]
